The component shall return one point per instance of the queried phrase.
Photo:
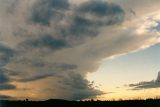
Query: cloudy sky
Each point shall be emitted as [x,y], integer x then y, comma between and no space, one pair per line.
[72,49]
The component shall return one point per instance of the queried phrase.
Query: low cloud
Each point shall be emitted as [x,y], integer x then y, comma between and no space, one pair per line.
[5,82]
[35,78]
[146,84]
[3,78]
[7,86]
[46,42]
[5,97]
[82,87]
[5,54]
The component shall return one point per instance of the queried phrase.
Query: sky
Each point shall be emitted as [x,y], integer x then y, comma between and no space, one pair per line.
[115,75]
[75,50]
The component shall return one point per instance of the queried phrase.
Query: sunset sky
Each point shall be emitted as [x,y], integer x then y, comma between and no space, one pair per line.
[79,49]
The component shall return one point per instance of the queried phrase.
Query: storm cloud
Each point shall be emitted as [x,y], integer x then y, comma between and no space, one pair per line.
[83,88]
[3,78]
[5,97]
[34,78]
[5,55]
[47,42]
[54,44]
[7,87]
[45,11]
[5,82]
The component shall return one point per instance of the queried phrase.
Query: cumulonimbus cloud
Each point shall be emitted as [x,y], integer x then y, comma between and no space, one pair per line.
[55,43]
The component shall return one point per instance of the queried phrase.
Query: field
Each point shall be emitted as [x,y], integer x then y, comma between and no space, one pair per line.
[64,103]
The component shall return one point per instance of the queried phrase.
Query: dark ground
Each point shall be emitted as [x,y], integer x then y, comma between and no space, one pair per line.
[64,103]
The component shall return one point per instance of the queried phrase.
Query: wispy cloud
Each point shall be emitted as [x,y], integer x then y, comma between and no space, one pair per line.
[146,84]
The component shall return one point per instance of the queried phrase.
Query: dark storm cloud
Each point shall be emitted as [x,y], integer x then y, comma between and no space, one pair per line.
[90,16]
[5,50]
[6,76]
[42,64]
[102,9]
[83,94]
[35,78]
[49,42]
[76,81]
[5,97]
[3,78]
[5,81]
[81,27]
[8,73]
[5,55]
[7,86]
[83,21]
[45,10]
[82,87]
[65,67]
[58,68]
[146,84]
